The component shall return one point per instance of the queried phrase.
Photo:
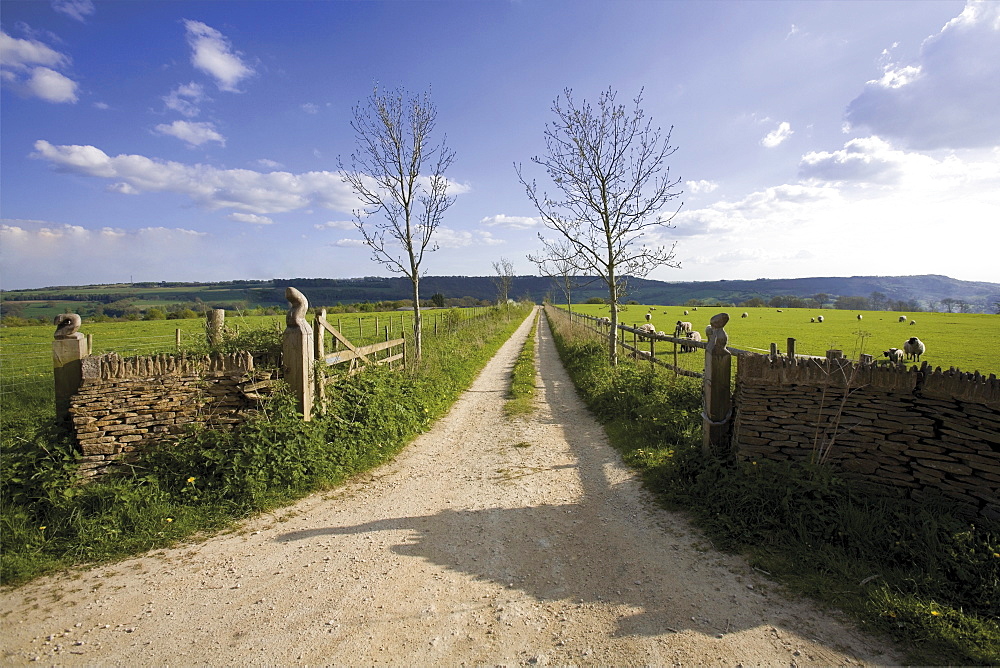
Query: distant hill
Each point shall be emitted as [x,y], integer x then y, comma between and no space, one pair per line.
[926,291]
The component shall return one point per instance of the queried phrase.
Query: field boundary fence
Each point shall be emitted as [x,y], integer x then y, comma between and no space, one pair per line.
[912,432]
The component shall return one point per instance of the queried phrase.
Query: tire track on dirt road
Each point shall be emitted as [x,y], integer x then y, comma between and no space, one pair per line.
[487,541]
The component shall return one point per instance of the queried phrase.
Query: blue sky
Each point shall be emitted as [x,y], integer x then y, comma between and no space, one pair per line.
[172,140]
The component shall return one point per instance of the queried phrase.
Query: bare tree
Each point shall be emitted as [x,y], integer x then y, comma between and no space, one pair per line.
[503,280]
[608,165]
[399,177]
[560,269]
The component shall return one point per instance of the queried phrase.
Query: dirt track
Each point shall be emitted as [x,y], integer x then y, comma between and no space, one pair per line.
[488,541]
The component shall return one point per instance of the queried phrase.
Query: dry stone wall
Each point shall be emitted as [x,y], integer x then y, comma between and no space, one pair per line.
[915,430]
[124,405]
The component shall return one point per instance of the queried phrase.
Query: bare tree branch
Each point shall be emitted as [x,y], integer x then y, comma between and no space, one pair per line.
[608,167]
[398,176]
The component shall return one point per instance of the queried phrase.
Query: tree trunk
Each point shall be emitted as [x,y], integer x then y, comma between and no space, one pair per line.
[417,328]
[613,335]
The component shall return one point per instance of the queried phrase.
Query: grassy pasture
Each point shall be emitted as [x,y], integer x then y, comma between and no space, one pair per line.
[26,352]
[968,341]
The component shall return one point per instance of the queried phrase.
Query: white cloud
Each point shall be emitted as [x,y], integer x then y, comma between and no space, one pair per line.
[210,187]
[310,108]
[446,237]
[251,218]
[778,135]
[349,243]
[26,65]
[511,222]
[702,186]
[195,134]
[51,86]
[76,9]
[103,106]
[212,53]
[185,99]
[271,164]
[122,189]
[949,97]
[336,225]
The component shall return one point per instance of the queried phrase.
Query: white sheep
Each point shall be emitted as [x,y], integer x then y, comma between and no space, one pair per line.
[745,315]
[914,348]
[683,326]
[819,319]
[694,336]
[812,319]
[913,322]
[780,311]
[895,355]
[604,321]
[646,328]
[685,312]
[649,316]
[859,316]
[902,318]
[695,308]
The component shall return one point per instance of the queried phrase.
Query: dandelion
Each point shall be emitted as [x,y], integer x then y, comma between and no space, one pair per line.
[41,528]
[191,479]
[170,519]
[935,613]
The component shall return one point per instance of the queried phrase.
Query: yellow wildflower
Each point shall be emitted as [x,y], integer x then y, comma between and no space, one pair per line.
[170,519]
[191,479]
[935,613]
[41,528]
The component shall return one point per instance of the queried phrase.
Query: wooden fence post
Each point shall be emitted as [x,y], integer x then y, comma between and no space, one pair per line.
[791,348]
[177,338]
[297,352]
[68,351]
[216,322]
[718,407]
[319,354]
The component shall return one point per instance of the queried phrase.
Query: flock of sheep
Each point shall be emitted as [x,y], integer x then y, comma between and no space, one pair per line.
[912,349]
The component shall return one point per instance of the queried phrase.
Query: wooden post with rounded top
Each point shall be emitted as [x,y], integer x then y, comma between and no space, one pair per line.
[297,352]
[68,351]
[718,408]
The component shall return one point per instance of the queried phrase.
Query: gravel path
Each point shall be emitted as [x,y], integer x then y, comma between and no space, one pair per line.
[487,541]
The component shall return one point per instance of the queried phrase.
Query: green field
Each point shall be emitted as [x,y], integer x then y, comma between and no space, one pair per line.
[26,352]
[967,341]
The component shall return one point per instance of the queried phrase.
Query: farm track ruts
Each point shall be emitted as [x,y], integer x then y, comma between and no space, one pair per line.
[487,541]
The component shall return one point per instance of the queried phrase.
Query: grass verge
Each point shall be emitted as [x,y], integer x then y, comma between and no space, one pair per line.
[520,399]
[918,574]
[208,479]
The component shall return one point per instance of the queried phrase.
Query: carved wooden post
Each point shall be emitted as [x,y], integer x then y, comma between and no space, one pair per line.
[297,352]
[68,351]
[216,321]
[718,397]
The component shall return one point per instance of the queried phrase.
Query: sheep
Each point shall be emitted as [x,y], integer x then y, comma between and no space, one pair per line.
[695,308]
[859,316]
[913,322]
[604,321]
[661,333]
[895,355]
[685,312]
[812,319]
[649,316]
[694,336]
[745,315]
[902,318]
[780,311]
[683,326]
[914,348]
[652,308]
[646,328]
[819,318]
